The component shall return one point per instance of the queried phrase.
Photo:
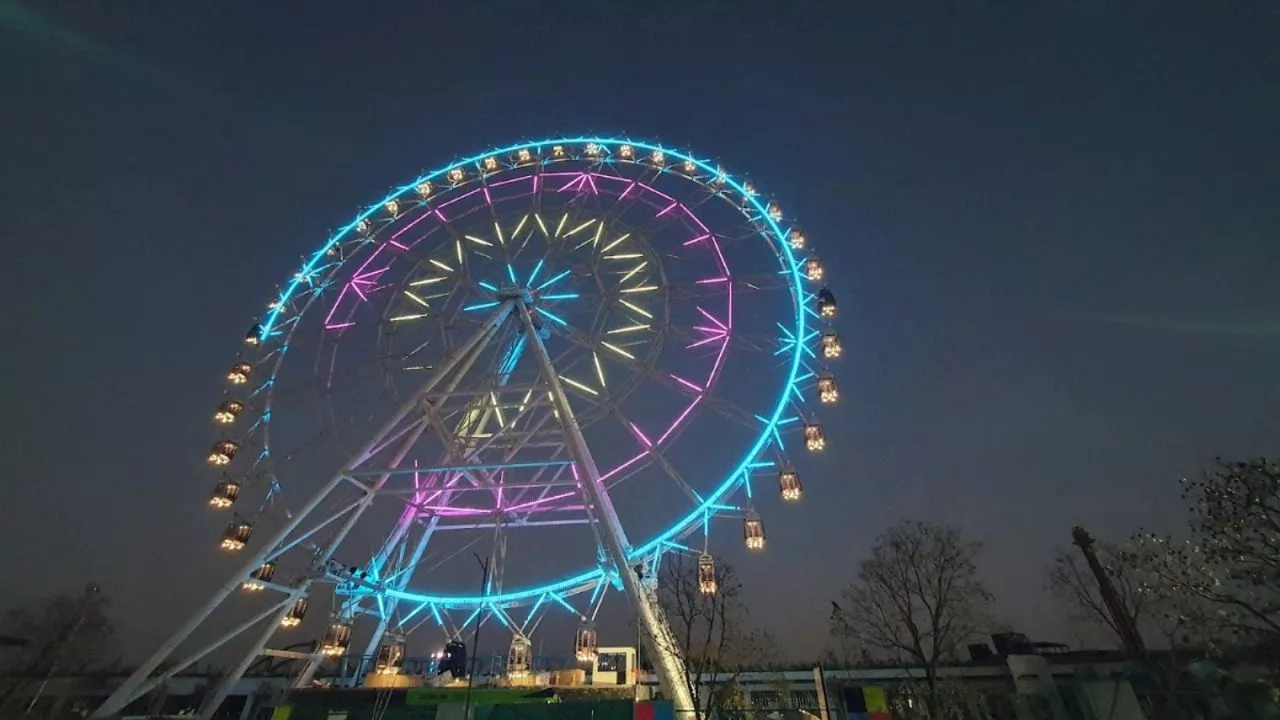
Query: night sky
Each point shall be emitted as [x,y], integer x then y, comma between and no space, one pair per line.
[1055,234]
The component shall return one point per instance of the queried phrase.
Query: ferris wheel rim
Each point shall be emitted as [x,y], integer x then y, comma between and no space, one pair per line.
[712,502]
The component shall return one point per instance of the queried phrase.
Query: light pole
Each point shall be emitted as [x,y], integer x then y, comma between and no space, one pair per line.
[475,634]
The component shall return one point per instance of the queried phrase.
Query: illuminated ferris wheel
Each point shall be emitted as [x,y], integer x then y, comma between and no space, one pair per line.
[567,358]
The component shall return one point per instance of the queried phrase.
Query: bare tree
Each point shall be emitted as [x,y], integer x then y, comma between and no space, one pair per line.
[1228,572]
[916,599]
[64,633]
[710,632]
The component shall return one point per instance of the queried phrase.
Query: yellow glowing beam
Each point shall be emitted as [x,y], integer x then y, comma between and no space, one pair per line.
[622,256]
[520,226]
[563,218]
[428,281]
[633,271]
[627,329]
[618,350]
[415,316]
[580,386]
[440,265]
[457,244]
[498,230]
[599,231]
[595,358]
[578,229]
[497,410]
[640,289]
[479,241]
[613,244]
[542,225]
[636,308]
[417,299]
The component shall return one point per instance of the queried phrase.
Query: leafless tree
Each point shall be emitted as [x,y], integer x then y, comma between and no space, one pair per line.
[711,632]
[916,599]
[64,633]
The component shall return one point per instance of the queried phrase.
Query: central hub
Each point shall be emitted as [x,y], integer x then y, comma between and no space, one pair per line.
[511,291]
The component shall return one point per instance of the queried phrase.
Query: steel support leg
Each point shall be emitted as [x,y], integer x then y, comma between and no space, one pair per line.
[671,669]
[132,688]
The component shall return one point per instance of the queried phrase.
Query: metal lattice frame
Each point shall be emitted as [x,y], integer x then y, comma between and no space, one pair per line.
[509,433]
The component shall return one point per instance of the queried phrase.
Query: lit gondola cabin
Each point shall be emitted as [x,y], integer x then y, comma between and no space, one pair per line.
[753,531]
[831,347]
[236,536]
[423,189]
[223,452]
[796,238]
[524,156]
[813,269]
[626,152]
[518,657]
[593,150]
[749,188]
[295,614]
[228,411]
[390,658]
[585,643]
[658,158]
[775,211]
[828,390]
[258,578]
[490,164]
[707,584]
[254,336]
[557,152]
[689,167]
[789,487]
[393,207]
[364,228]
[224,494]
[456,175]
[815,440]
[336,640]
[826,304]
[239,373]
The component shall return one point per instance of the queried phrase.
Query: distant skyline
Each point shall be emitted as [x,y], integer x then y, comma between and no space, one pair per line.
[1052,231]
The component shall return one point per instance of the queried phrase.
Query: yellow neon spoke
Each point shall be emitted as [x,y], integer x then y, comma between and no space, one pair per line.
[479,241]
[611,245]
[417,299]
[618,350]
[627,329]
[415,316]
[636,308]
[563,219]
[579,385]
[580,228]
[640,289]
[542,225]
[633,271]
[457,244]
[599,232]
[440,265]
[519,226]
[497,410]
[498,230]
[595,358]
[428,281]
[622,256]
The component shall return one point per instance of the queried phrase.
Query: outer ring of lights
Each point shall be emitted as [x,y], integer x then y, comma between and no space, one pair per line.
[712,504]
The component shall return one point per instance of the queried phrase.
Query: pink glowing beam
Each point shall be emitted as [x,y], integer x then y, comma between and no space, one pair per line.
[710,330]
[659,193]
[692,386]
[698,239]
[579,178]
[328,319]
[707,341]
[630,187]
[668,209]
[713,281]
[487,197]
[620,468]
[640,434]
[538,504]
[461,197]
[409,226]
[712,318]
[592,180]
[359,292]
[680,419]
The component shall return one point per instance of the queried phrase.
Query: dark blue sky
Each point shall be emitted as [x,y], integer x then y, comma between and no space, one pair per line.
[1055,233]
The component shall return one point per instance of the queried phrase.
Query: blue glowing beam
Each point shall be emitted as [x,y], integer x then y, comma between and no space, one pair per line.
[769,433]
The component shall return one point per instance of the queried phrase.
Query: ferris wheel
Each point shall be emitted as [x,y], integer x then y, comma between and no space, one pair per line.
[564,358]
